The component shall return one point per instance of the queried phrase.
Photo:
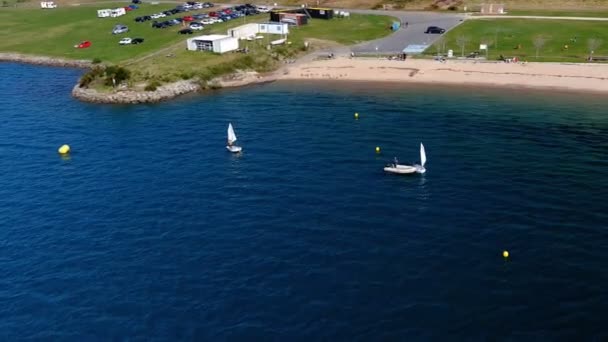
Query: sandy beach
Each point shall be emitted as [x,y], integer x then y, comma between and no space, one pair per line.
[566,76]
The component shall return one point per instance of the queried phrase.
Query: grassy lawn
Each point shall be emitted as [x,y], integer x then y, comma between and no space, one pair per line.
[504,35]
[562,13]
[55,32]
[163,56]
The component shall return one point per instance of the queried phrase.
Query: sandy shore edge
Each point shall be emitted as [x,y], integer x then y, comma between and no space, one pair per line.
[573,77]
[563,76]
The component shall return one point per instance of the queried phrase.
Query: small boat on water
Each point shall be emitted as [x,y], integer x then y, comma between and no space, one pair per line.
[231,139]
[408,169]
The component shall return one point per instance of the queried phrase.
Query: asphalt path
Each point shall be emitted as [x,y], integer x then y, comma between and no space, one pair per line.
[413,33]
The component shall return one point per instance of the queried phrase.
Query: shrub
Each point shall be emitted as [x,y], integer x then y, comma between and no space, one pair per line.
[96,60]
[186,75]
[453,8]
[116,73]
[90,76]
[152,86]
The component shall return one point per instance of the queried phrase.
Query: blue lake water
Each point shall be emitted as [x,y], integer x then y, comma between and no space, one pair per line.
[151,230]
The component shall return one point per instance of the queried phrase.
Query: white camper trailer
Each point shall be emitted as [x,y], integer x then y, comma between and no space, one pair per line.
[117,12]
[103,13]
[114,13]
[48,4]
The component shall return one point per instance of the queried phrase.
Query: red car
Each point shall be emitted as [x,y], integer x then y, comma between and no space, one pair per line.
[83,45]
[213,14]
[188,18]
[228,11]
[128,9]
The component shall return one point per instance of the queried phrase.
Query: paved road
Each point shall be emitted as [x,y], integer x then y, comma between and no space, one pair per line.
[413,34]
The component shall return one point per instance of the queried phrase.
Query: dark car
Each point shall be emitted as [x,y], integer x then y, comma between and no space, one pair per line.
[185,31]
[208,5]
[199,16]
[434,29]
[137,40]
[136,1]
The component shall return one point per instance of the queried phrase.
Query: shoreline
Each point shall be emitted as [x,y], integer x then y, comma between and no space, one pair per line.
[543,76]
[10,57]
[564,77]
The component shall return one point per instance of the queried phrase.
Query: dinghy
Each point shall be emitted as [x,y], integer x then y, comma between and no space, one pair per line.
[407,169]
[231,139]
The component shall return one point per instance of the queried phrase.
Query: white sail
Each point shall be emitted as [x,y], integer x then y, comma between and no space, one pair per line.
[231,135]
[422,155]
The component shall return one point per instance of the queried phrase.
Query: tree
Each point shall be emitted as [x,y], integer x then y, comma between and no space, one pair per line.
[462,42]
[539,41]
[593,44]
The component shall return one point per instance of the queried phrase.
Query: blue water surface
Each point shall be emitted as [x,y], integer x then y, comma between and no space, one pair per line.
[151,230]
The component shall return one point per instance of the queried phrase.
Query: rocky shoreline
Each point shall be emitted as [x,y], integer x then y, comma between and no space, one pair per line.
[167,91]
[42,60]
[129,96]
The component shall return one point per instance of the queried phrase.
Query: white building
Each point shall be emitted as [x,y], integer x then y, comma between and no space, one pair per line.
[251,30]
[217,43]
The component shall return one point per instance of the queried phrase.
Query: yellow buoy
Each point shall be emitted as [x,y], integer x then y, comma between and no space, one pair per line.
[64,149]
[505,254]
[377,149]
[356,115]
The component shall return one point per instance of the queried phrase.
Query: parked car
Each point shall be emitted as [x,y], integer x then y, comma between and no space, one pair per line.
[133,7]
[185,31]
[207,21]
[137,41]
[118,29]
[207,4]
[125,41]
[196,26]
[188,18]
[136,1]
[83,45]
[434,29]
[263,9]
[199,16]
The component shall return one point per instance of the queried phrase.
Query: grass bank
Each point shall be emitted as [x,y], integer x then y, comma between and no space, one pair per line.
[163,57]
[523,37]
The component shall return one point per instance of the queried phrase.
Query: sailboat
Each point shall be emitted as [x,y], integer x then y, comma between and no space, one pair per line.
[407,169]
[231,139]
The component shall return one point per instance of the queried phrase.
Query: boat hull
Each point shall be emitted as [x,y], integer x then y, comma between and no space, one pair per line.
[405,169]
[400,169]
[234,149]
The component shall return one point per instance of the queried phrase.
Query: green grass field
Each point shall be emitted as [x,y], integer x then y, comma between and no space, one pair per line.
[55,32]
[503,37]
[562,13]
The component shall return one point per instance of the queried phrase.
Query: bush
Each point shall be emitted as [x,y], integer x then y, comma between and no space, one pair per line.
[96,60]
[116,73]
[152,86]
[90,76]
[186,75]
[453,8]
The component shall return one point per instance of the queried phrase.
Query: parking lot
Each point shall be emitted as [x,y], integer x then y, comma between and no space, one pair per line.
[417,22]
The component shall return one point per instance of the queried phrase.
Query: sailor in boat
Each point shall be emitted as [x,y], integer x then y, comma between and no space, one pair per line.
[395,162]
